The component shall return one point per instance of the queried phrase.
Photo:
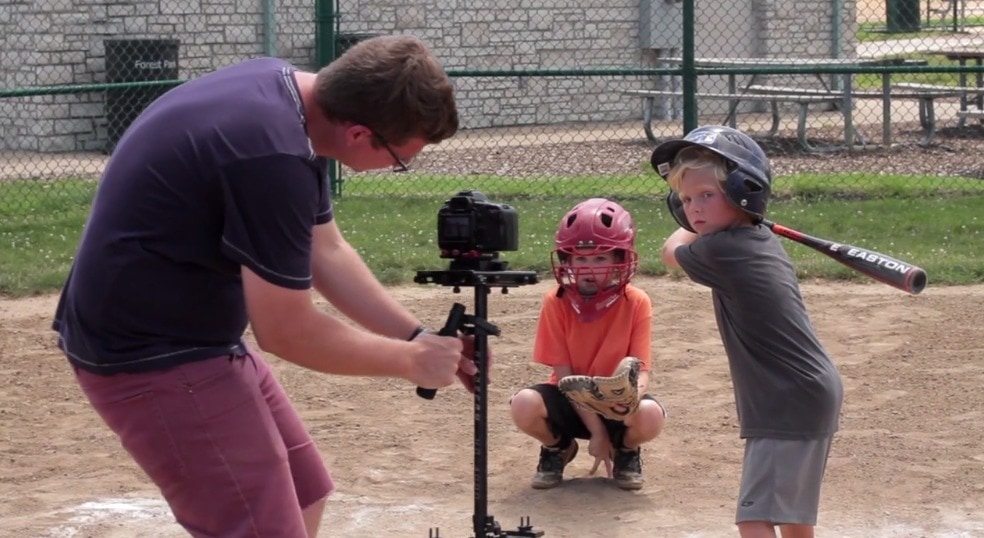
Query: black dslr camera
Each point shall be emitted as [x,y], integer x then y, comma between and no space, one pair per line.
[469,226]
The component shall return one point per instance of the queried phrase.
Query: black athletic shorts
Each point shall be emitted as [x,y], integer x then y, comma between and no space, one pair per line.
[564,421]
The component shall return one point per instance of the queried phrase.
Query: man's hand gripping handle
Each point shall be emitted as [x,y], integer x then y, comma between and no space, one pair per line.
[455,319]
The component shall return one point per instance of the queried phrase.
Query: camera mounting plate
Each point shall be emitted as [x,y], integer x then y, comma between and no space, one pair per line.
[471,278]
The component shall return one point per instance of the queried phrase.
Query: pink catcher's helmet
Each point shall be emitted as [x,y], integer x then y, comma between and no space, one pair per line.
[594,227]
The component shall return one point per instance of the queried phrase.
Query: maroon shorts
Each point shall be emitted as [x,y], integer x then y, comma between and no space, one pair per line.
[221,440]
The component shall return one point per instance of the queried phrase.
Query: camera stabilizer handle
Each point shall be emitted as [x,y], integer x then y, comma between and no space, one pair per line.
[483,523]
[456,321]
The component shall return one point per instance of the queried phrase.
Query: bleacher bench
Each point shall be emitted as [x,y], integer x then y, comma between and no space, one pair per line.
[803,101]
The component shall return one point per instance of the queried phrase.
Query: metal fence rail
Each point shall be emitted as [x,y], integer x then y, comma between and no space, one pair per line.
[539,83]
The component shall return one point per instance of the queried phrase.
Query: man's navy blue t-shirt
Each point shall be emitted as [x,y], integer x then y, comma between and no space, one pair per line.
[216,174]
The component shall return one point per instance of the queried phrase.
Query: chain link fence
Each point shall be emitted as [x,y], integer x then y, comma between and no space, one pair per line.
[548,91]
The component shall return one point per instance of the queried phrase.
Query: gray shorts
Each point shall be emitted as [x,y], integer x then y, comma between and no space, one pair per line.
[780,480]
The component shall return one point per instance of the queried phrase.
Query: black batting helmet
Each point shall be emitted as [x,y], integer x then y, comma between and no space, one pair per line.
[749,180]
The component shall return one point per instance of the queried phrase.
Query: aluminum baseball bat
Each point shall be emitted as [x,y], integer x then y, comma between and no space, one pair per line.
[891,271]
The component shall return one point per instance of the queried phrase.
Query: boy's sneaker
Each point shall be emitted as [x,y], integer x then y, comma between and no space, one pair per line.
[550,470]
[627,468]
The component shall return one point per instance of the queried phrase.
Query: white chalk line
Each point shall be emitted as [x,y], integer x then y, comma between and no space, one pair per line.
[363,512]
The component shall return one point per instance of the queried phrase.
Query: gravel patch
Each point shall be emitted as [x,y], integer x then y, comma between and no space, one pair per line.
[956,152]
[566,151]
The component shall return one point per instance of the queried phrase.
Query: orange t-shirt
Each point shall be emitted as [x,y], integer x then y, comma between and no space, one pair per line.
[594,348]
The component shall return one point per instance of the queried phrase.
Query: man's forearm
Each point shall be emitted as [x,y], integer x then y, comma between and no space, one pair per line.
[348,284]
[321,342]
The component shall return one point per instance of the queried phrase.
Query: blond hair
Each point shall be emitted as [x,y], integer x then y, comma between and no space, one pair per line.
[696,158]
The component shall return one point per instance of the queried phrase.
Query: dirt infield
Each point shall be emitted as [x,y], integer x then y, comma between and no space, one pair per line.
[908,462]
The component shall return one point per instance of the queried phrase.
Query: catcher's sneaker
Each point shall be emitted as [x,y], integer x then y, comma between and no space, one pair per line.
[550,470]
[627,468]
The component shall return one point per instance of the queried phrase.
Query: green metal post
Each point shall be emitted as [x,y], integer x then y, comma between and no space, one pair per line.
[836,40]
[689,74]
[325,21]
[325,30]
[269,28]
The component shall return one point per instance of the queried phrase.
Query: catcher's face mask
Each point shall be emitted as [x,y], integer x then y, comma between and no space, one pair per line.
[594,229]
[593,280]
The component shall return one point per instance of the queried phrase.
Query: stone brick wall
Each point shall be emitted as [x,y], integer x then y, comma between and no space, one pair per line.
[59,42]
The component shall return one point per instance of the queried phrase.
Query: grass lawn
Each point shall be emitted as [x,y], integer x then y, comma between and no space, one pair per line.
[876,31]
[392,222]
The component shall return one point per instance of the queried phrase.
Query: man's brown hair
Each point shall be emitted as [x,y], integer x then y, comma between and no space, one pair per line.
[393,85]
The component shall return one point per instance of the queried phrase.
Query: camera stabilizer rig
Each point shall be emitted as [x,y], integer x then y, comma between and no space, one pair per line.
[470,232]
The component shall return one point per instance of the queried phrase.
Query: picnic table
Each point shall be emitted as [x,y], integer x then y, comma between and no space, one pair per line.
[963,55]
[845,93]
[955,10]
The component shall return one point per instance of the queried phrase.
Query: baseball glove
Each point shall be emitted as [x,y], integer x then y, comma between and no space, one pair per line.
[615,397]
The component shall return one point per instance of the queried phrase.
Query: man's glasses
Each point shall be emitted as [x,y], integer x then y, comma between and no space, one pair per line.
[400,165]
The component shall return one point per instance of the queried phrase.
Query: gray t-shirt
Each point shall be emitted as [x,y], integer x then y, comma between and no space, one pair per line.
[215,175]
[786,387]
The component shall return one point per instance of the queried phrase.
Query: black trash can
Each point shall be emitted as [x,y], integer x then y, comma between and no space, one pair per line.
[135,60]
[345,41]
[902,15]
